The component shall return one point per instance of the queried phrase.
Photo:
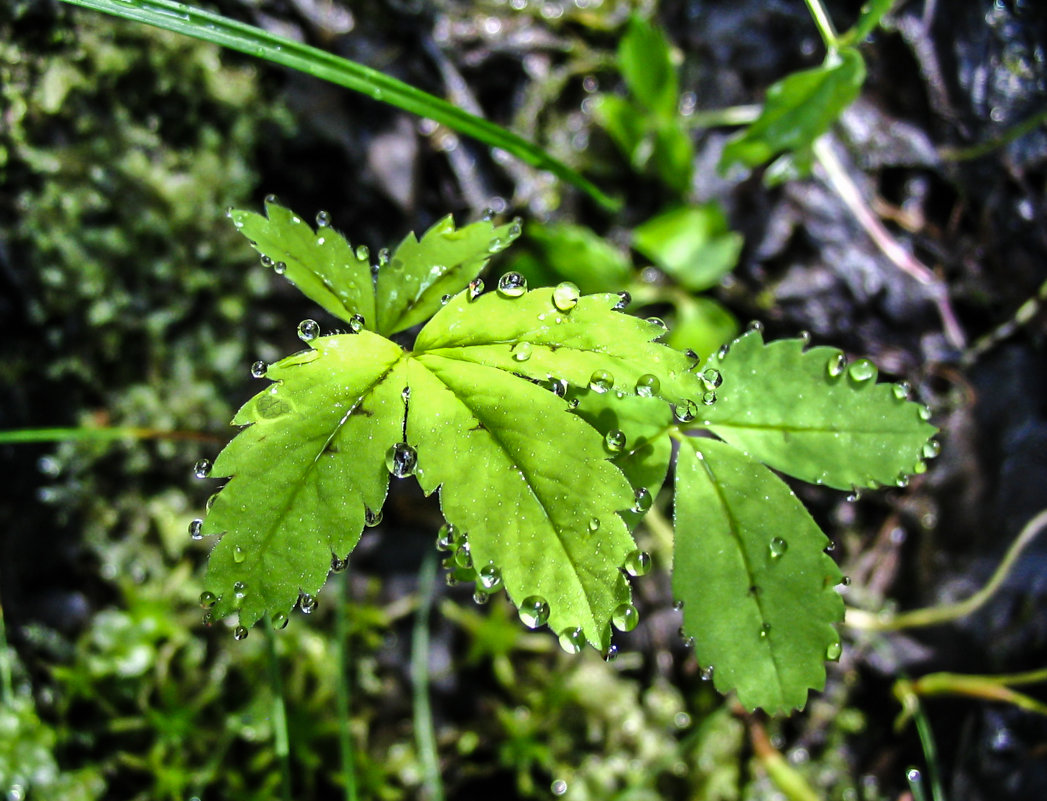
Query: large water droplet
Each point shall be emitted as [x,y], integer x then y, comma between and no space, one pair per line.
[308,330]
[685,411]
[836,365]
[463,556]
[931,449]
[709,397]
[401,460]
[363,253]
[642,501]
[446,538]
[862,371]
[625,617]
[572,640]
[480,597]
[202,469]
[660,323]
[196,529]
[614,441]
[208,599]
[522,351]
[534,611]
[490,577]
[624,299]
[755,325]
[557,386]
[512,285]
[565,296]
[357,323]
[258,369]
[648,385]
[239,554]
[323,219]
[923,413]
[711,377]
[240,633]
[610,653]
[239,589]
[280,268]
[266,261]
[476,288]
[372,519]
[778,547]
[307,603]
[339,564]
[902,390]
[832,653]
[638,563]
[279,621]
[558,787]
[601,381]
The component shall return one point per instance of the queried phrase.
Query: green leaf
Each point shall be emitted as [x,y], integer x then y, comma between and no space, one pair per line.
[798,109]
[872,12]
[321,263]
[647,67]
[673,156]
[420,272]
[575,253]
[702,325]
[626,125]
[693,244]
[810,415]
[750,568]
[304,472]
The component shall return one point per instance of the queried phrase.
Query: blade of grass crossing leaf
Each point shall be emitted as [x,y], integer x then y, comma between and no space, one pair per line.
[209,27]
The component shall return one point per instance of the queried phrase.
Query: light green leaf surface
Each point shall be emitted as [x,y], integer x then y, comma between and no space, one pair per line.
[529,335]
[702,325]
[522,477]
[304,472]
[575,253]
[798,109]
[321,263]
[693,244]
[750,567]
[786,408]
[646,64]
[420,272]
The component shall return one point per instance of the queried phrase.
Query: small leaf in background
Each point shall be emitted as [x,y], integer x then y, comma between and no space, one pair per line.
[693,244]
[814,416]
[566,252]
[322,264]
[750,568]
[304,472]
[646,63]
[420,273]
[797,110]
[701,325]
[872,12]
[627,126]
[673,155]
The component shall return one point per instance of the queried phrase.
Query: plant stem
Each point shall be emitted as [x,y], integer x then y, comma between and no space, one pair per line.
[343,687]
[6,684]
[279,712]
[424,733]
[824,24]
[99,434]
[930,751]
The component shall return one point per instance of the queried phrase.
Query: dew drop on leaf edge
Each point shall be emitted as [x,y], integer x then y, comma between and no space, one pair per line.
[308,330]
[202,469]
[572,640]
[512,285]
[642,501]
[476,288]
[565,296]
[196,529]
[490,577]
[207,600]
[833,651]
[861,371]
[280,620]
[240,633]
[614,441]
[836,365]
[685,411]
[258,369]
[638,563]
[534,611]
[625,617]
[401,460]
[307,603]
[357,323]
[601,381]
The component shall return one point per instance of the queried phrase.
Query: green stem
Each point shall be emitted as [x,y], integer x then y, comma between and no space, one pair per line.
[930,751]
[199,24]
[985,148]
[91,434]
[824,24]
[7,693]
[424,733]
[279,712]
[343,687]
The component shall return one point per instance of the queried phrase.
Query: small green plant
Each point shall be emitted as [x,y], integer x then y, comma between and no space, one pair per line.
[546,419]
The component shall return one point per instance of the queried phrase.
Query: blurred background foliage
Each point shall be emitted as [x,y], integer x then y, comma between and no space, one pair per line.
[127,300]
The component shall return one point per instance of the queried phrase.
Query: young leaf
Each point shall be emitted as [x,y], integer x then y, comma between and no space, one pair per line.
[420,273]
[750,568]
[646,65]
[693,244]
[304,472]
[798,109]
[322,264]
[809,414]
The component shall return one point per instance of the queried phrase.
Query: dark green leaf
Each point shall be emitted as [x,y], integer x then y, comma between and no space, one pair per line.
[646,64]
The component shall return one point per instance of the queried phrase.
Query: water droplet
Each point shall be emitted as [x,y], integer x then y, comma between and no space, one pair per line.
[805,338]
[196,529]
[625,617]
[534,611]
[614,440]
[512,285]
[721,354]
[239,589]
[648,385]
[363,253]
[709,398]
[861,371]
[624,299]
[902,390]
[480,597]
[280,268]
[271,200]
[307,603]
[594,524]
[490,577]
[778,547]
[601,381]
[638,563]
[572,640]
[401,460]
[707,673]
[488,214]
[357,323]
[559,787]
[279,621]
[711,377]
[323,219]
[610,653]
[239,554]
[846,581]
[855,496]
[832,653]
[565,296]
[405,394]
[240,633]
[445,537]
[266,261]
[463,556]
[660,323]
[831,547]
[919,468]
[765,631]
[308,330]
[755,325]
[557,386]
[258,369]
[837,364]
[913,776]
[678,605]
[685,411]
[207,600]
[931,449]
[202,469]
[642,501]
[339,564]
[522,351]
[476,288]
[923,412]
[372,519]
